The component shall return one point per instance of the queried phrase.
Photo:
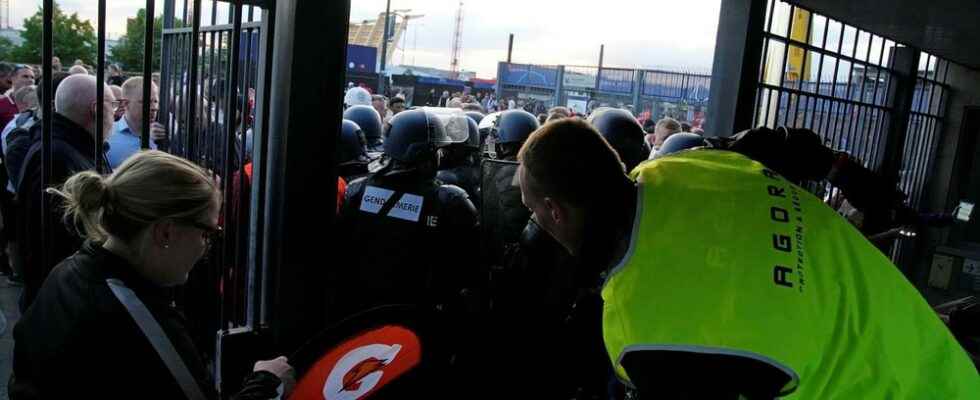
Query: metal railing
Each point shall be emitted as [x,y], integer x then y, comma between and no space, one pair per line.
[209,77]
[847,103]
[850,100]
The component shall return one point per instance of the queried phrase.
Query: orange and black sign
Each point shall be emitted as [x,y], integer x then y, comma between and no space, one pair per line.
[361,365]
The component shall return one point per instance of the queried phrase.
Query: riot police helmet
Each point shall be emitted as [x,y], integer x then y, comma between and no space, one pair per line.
[415,136]
[514,126]
[352,145]
[679,142]
[476,115]
[368,119]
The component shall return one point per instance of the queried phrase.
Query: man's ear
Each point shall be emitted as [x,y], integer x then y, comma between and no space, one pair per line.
[555,210]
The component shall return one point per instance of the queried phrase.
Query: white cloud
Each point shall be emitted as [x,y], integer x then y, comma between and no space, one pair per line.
[635,32]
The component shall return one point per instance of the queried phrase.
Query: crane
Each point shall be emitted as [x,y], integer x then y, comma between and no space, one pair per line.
[457,43]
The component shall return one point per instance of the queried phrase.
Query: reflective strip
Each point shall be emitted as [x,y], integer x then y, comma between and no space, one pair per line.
[154,333]
[790,388]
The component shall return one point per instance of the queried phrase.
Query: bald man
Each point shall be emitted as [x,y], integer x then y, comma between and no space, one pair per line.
[73,134]
[126,138]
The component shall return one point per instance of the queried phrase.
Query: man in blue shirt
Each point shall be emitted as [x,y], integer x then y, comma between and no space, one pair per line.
[125,138]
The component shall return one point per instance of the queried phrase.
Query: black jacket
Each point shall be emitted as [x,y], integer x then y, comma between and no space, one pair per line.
[78,341]
[418,259]
[72,151]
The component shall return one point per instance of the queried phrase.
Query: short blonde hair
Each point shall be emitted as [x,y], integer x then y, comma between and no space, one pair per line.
[669,124]
[147,187]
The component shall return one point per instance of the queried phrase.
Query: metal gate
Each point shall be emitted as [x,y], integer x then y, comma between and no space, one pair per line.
[208,99]
[841,82]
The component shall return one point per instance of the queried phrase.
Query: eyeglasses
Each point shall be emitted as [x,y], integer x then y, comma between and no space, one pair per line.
[211,233]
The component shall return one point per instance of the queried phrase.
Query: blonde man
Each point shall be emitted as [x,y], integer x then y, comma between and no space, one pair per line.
[664,128]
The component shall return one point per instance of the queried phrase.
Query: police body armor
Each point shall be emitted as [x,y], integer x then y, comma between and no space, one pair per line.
[503,215]
[411,236]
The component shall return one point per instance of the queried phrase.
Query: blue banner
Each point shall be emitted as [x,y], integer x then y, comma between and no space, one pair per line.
[528,75]
[362,58]
[616,80]
[440,81]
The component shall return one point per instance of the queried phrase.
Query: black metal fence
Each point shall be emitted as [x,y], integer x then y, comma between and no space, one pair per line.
[209,76]
[839,81]
[650,94]
[209,86]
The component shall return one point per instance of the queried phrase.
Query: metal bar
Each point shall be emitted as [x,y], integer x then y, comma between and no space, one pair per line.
[230,113]
[147,75]
[837,58]
[261,302]
[47,105]
[166,48]
[803,67]
[874,97]
[212,104]
[840,54]
[100,93]
[214,12]
[850,72]
[192,81]
[845,101]
[922,171]
[920,152]
[184,19]
[214,28]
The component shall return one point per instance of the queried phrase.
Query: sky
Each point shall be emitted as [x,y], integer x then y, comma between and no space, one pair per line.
[674,34]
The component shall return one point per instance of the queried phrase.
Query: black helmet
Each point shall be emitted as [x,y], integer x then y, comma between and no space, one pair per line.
[624,134]
[514,126]
[679,142]
[415,135]
[368,119]
[352,145]
[476,115]
[473,139]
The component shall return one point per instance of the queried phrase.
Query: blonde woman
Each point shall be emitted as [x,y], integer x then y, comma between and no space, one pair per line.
[103,324]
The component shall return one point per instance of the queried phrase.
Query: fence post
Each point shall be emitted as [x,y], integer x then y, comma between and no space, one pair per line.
[735,71]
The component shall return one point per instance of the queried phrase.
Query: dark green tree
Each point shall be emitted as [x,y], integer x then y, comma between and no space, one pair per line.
[6,47]
[129,51]
[74,39]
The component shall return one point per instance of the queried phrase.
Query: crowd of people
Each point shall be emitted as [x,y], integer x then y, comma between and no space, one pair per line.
[592,256]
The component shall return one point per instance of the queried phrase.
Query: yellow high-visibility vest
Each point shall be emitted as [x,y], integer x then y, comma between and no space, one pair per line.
[727,257]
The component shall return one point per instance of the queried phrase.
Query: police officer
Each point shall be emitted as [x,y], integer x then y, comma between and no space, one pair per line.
[460,163]
[623,133]
[370,123]
[486,126]
[352,158]
[512,128]
[409,235]
[767,287]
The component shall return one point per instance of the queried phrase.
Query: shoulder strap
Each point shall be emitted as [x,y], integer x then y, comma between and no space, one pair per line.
[390,203]
[154,333]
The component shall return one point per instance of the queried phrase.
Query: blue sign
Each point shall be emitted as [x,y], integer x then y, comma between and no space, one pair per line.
[362,58]
[528,75]
[440,81]
[616,80]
